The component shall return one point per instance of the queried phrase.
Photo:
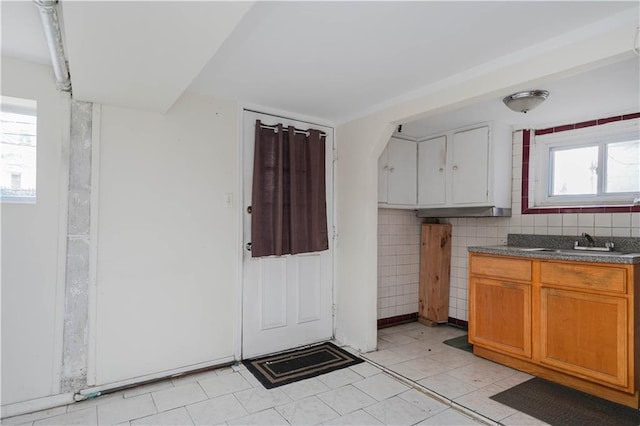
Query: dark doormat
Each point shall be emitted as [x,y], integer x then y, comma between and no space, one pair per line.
[559,405]
[288,367]
[461,342]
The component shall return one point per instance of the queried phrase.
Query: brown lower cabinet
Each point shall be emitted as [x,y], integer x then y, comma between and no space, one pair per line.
[569,322]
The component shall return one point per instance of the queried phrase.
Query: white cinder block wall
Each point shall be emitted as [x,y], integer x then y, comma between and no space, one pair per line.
[398,262]
[493,231]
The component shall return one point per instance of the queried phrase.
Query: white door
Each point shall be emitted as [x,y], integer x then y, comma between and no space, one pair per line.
[287,300]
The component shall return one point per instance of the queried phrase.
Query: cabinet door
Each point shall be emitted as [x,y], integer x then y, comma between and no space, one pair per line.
[500,315]
[402,172]
[383,176]
[432,181]
[470,167]
[585,334]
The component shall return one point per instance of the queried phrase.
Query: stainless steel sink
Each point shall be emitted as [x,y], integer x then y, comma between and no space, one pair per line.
[578,252]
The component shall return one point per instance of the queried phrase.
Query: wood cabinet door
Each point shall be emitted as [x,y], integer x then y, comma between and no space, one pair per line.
[403,174]
[585,334]
[500,315]
[470,167]
[432,180]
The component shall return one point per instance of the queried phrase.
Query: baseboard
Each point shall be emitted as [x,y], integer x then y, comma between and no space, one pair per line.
[150,378]
[399,319]
[32,405]
[458,323]
[403,319]
[38,404]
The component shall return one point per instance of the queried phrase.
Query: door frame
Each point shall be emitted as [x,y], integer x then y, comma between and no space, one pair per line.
[333,233]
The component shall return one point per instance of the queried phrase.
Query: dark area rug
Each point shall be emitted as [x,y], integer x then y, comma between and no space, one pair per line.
[460,343]
[559,405]
[292,366]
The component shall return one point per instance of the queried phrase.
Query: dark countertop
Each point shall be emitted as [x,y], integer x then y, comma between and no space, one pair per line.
[564,254]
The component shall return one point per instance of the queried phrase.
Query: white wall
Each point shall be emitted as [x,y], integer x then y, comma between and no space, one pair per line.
[31,267]
[361,141]
[167,245]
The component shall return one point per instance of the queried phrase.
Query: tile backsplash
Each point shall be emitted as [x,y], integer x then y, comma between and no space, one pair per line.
[476,232]
[398,262]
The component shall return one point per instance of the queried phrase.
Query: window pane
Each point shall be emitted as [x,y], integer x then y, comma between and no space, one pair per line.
[623,167]
[18,150]
[574,171]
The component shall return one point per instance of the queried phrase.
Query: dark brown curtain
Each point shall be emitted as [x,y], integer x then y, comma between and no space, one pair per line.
[289,213]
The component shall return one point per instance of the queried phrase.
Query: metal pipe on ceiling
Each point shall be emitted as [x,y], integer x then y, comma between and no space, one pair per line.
[51,25]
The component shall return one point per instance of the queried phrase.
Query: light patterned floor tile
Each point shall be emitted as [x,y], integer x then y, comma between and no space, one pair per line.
[37,415]
[522,419]
[450,417]
[216,411]
[249,377]
[340,378]
[396,411]
[386,357]
[309,411]
[357,418]
[92,402]
[346,399]
[481,373]
[447,386]
[260,399]
[224,384]
[86,417]
[264,418]
[452,358]
[191,378]
[153,387]
[419,368]
[381,386]
[365,369]
[176,417]
[424,402]
[479,402]
[126,410]
[178,396]
[304,388]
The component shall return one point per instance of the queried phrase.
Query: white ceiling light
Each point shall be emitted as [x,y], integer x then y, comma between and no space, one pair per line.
[525,101]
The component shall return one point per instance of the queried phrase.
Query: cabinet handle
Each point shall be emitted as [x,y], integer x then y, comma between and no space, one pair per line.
[391,169]
[455,167]
[441,170]
[385,167]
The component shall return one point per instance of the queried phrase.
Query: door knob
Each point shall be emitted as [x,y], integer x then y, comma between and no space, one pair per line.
[248,246]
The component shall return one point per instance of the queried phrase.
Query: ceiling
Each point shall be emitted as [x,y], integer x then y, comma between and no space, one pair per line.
[333,61]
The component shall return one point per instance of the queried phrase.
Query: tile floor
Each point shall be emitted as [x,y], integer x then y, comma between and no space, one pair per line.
[412,379]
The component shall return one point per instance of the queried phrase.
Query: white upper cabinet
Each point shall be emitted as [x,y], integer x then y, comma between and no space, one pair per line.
[397,174]
[432,175]
[466,167]
[470,166]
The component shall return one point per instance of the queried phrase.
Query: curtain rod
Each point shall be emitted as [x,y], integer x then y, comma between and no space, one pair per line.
[294,129]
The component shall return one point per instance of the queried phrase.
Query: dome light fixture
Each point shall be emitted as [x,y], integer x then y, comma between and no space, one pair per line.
[526,100]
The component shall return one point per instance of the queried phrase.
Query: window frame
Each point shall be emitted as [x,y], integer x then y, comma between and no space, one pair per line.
[28,107]
[600,136]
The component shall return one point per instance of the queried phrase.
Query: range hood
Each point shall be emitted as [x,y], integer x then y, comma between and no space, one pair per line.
[483,211]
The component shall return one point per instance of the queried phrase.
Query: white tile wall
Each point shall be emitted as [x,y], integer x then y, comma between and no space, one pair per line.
[472,232]
[398,262]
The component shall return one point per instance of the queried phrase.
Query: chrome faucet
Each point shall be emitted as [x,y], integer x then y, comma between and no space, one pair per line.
[589,239]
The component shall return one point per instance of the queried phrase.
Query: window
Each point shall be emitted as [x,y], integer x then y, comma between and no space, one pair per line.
[594,166]
[18,135]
